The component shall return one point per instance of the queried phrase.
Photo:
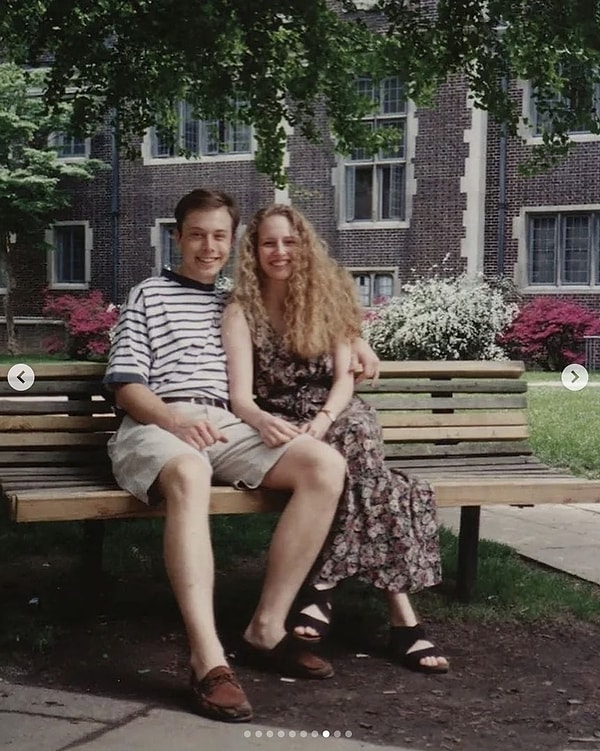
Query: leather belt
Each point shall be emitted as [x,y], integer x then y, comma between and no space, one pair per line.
[210,401]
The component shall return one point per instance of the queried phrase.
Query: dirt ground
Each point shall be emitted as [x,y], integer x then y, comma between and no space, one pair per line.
[510,687]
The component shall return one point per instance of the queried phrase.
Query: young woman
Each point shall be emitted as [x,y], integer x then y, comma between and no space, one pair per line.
[287,335]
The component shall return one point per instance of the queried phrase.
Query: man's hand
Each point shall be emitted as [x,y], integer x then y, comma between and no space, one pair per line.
[364,363]
[200,434]
[275,431]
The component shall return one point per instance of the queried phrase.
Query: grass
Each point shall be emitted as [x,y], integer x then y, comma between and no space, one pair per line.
[565,428]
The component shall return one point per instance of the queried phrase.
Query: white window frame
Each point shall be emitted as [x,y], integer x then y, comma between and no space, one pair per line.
[149,156]
[410,184]
[55,142]
[374,271]
[527,129]
[50,237]
[521,230]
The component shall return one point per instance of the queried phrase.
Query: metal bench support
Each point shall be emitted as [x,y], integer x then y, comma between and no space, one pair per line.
[468,549]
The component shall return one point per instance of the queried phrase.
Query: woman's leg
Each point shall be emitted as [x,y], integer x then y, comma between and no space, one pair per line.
[402,614]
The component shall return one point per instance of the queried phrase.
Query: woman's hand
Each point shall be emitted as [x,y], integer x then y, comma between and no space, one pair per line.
[276,431]
[318,426]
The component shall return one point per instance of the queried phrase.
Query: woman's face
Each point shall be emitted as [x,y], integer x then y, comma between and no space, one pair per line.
[277,245]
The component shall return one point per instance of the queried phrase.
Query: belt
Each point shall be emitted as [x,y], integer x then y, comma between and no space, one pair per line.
[210,401]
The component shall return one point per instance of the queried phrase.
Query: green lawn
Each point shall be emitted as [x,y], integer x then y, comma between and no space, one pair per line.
[565,427]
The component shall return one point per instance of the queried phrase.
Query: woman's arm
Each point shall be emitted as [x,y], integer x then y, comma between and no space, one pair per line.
[237,342]
[339,395]
[364,362]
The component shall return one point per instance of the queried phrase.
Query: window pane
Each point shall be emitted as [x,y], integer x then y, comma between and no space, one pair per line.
[171,256]
[364,86]
[391,191]
[69,255]
[396,152]
[164,145]
[212,138]
[542,250]
[384,288]
[392,96]
[238,138]
[359,194]
[576,251]
[363,285]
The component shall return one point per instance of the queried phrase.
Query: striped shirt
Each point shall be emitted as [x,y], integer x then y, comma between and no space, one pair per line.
[168,337]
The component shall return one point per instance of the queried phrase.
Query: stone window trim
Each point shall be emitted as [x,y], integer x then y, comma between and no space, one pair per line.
[521,233]
[50,237]
[338,180]
[374,272]
[526,129]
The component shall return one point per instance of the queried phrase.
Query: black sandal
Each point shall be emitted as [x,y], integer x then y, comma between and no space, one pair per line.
[401,640]
[307,596]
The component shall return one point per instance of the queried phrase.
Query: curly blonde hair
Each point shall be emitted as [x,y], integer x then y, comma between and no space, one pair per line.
[321,307]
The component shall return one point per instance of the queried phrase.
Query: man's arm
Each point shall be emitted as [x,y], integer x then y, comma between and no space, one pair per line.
[364,362]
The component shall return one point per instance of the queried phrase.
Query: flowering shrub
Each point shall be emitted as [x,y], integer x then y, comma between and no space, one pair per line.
[89,323]
[549,333]
[456,318]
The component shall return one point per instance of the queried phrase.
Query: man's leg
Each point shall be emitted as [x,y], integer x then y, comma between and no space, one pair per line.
[315,473]
[185,484]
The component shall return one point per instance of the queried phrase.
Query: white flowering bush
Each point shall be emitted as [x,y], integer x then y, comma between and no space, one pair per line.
[437,318]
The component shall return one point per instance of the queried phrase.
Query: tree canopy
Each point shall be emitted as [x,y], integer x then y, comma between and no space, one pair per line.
[288,61]
[32,176]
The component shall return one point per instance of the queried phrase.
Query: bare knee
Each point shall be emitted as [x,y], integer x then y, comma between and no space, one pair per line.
[317,466]
[185,481]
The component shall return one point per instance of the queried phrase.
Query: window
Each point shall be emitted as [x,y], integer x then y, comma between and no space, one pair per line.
[201,137]
[170,253]
[69,147]
[375,186]
[563,249]
[578,97]
[69,260]
[375,286]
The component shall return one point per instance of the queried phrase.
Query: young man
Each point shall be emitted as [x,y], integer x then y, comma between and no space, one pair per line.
[168,369]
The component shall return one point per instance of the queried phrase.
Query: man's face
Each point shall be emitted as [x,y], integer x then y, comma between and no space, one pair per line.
[205,243]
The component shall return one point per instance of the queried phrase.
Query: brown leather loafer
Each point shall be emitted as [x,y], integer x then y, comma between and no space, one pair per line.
[290,657]
[219,696]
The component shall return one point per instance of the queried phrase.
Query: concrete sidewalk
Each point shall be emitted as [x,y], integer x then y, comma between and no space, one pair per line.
[42,719]
[563,537]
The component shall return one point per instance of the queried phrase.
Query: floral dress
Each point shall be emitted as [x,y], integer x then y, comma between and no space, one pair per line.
[385,530]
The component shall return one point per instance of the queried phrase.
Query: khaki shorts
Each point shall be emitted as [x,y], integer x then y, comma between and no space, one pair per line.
[139,452]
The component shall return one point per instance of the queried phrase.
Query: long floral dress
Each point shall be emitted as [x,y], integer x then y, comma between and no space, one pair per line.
[385,530]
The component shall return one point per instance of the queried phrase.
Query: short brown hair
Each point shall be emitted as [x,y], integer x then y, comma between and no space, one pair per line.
[201,199]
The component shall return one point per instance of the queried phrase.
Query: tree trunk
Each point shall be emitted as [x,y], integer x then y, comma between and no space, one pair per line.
[12,345]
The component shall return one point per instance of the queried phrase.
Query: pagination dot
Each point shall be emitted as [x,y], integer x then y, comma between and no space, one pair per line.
[326,734]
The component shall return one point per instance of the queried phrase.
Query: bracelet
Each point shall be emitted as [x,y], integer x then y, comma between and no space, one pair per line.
[329,414]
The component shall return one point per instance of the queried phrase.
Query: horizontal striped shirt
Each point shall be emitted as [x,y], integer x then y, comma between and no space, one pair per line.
[168,337]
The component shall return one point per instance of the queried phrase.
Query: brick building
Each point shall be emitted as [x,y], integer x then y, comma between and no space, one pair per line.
[448,194]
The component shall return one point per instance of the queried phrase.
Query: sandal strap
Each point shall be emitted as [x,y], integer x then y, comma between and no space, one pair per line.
[320,598]
[403,637]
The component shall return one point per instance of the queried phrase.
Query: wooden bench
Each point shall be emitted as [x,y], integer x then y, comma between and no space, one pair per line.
[460,425]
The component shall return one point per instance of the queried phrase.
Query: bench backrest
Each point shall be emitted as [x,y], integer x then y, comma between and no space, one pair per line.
[431,412]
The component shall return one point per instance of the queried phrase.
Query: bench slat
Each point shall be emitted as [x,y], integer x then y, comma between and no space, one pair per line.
[43,388]
[57,406]
[457,386]
[58,422]
[53,439]
[465,448]
[399,419]
[474,491]
[457,402]
[470,433]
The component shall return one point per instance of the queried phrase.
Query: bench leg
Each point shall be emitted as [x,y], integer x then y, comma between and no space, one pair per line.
[93,538]
[468,548]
